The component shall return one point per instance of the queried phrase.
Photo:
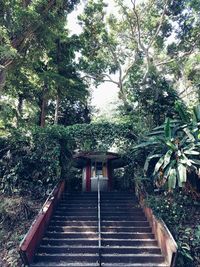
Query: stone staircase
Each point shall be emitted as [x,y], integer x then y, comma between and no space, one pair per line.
[72,235]
[126,235]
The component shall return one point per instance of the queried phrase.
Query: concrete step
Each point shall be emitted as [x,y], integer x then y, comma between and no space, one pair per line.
[82,201]
[75,207]
[76,213]
[71,235]
[85,264]
[131,258]
[70,258]
[134,265]
[70,242]
[115,229]
[120,207]
[130,223]
[129,242]
[79,223]
[80,196]
[115,212]
[68,249]
[94,249]
[133,198]
[121,235]
[131,250]
[108,194]
[118,201]
[75,218]
[65,264]
[73,229]
[123,218]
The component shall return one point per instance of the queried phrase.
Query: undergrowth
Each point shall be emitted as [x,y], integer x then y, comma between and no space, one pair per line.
[181,214]
[16,216]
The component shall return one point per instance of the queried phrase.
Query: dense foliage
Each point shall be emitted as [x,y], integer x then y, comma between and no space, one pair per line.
[174,149]
[148,50]
[181,214]
[35,160]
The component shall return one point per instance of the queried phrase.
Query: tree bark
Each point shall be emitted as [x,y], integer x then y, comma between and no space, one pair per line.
[57,110]
[2,77]
[43,112]
[43,106]
[20,105]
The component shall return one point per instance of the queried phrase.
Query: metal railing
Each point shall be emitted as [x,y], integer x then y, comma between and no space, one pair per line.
[99,221]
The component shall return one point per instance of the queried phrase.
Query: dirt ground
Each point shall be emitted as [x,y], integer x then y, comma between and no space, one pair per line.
[16,216]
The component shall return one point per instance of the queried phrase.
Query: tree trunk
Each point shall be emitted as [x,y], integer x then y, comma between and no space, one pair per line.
[20,105]
[43,111]
[43,106]
[2,78]
[57,110]
[19,113]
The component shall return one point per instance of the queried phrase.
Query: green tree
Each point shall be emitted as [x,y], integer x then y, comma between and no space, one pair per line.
[26,23]
[140,41]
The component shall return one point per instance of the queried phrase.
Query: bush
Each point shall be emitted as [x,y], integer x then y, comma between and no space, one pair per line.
[181,215]
[31,161]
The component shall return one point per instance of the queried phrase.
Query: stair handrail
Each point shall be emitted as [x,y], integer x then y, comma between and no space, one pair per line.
[99,220]
[32,239]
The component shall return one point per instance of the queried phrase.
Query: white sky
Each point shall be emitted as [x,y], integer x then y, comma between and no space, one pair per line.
[105,97]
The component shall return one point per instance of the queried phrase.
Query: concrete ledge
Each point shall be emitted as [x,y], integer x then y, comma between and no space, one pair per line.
[162,234]
[36,232]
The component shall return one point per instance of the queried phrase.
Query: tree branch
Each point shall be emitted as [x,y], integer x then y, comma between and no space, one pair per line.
[132,26]
[109,78]
[138,27]
[176,58]
[159,25]
[128,68]
[100,77]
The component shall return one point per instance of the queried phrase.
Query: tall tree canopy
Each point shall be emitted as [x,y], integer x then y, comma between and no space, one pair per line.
[24,24]
[141,41]
[41,59]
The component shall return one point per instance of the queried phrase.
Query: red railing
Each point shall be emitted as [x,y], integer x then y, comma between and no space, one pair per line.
[36,232]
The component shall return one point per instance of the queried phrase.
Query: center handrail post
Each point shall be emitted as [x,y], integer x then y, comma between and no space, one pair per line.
[99,221]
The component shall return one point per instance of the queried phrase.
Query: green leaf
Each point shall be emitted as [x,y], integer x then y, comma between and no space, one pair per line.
[145,144]
[172,179]
[158,165]
[191,137]
[182,174]
[167,158]
[183,114]
[196,161]
[171,145]
[168,168]
[191,152]
[184,141]
[167,129]
[196,111]
[184,160]
[149,158]
[155,133]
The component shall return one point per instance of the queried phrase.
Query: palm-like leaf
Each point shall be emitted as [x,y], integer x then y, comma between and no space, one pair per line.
[179,146]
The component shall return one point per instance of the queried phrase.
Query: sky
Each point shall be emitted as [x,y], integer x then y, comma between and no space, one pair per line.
[105,97]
